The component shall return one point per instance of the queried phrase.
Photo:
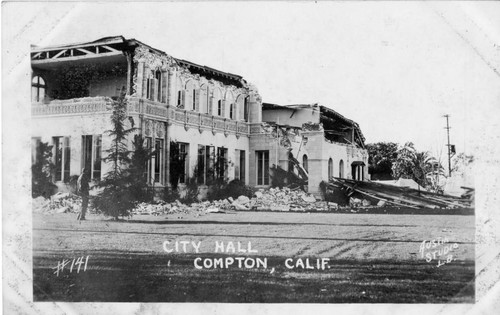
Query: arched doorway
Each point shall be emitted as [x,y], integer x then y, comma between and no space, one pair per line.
[341,169]
[304,163]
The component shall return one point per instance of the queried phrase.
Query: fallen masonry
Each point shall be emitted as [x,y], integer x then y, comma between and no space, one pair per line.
[272,199]
[59,203]
[362,196]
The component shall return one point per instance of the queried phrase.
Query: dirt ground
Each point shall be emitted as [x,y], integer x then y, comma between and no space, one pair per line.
[373,258]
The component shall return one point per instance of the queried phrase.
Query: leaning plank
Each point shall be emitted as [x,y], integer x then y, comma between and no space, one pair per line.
[404,200]
[428,199]
[302,171]
[380,196]
[384,199]
[448,202]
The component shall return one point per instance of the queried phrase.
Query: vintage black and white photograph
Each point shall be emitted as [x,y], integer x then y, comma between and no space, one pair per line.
[300,154]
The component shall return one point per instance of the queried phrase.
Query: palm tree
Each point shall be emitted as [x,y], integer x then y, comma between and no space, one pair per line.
[422,167]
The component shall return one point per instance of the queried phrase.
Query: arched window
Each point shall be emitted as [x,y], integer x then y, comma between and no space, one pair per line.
[231,111]
[194,99]
[204,96]
[38,89]
[180,95]
[158,88]
[215,101]
[330,168]
[341,169]
[304,163]
[219,107]
[245,109]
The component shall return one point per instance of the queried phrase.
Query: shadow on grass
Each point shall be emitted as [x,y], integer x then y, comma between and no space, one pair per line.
[118,276]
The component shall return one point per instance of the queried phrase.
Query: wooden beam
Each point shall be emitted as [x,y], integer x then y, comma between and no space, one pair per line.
[75,58]
[36,55]
[109,48]
[88,52]
[59,53]
[75,46]
[386,200]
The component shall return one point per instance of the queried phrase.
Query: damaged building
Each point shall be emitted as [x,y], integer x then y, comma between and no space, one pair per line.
[216,119]
[322,142]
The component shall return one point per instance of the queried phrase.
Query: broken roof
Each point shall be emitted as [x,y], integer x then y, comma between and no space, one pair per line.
[330,113]
[101,41]
[120,42]
[333,122]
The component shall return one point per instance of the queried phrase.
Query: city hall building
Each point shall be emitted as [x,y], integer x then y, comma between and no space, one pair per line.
[214,118]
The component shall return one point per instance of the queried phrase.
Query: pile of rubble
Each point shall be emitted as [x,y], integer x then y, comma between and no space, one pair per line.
[58,203]
[273,199]
[285,199]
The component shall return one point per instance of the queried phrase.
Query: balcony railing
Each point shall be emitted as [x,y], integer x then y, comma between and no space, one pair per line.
[72,106]
[150,109]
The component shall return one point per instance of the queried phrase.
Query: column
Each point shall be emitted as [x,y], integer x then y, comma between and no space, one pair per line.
[140,78]
[167,154]
[316,164]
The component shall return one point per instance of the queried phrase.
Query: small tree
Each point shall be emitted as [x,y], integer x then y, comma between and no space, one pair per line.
[41,172]
[116,198]
[137,170]
[404,164]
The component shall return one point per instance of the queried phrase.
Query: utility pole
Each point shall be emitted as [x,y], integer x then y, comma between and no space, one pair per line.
[277,141]
[448,145]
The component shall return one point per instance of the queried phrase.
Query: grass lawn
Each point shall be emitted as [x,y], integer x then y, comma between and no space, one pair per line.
[373,258]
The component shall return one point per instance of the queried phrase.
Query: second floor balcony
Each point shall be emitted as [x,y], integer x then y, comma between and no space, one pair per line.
[99,105]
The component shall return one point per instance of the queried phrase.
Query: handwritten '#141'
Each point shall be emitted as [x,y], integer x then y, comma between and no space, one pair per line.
[76,264]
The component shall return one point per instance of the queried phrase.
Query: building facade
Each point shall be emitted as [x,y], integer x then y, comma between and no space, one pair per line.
[216,119]
[326,143]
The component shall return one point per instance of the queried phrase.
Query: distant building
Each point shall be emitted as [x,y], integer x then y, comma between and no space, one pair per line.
[216,119]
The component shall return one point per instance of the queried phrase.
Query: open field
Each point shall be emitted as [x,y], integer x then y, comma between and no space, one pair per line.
[372,258]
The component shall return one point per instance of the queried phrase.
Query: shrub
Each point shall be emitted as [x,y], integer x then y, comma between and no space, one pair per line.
[170,195]
[73,179]
[41,172]
[191,191]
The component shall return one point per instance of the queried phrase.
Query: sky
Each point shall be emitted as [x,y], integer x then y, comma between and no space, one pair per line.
[395,68]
